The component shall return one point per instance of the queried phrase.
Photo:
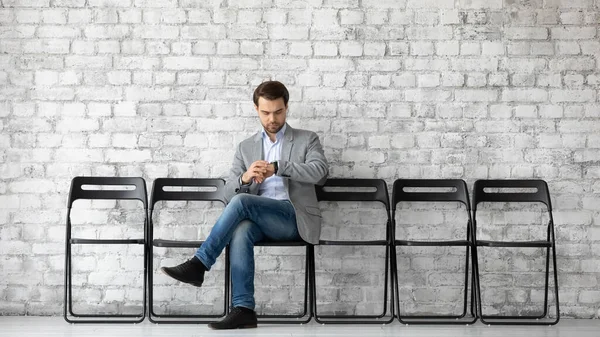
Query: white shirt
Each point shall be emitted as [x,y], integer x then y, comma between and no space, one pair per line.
[273,186]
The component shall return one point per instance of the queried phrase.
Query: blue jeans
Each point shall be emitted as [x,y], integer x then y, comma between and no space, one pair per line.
[247,219]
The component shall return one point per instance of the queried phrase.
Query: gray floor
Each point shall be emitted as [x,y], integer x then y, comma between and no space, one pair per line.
[55,326]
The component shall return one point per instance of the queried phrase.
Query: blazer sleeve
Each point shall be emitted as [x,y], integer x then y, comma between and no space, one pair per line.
[233,184]
[315,168]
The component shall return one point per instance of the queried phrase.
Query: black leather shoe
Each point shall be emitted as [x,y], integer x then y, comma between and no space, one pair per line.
[191,271]
[238,318]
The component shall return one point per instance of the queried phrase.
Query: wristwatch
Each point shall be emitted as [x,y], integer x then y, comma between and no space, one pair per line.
[275,166]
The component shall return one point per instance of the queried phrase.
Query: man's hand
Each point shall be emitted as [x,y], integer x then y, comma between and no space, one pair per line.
[258,172]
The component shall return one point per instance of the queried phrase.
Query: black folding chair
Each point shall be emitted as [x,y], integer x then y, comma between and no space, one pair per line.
[422,190]
[514,191]
[100,192]
[380,194]
[180,189]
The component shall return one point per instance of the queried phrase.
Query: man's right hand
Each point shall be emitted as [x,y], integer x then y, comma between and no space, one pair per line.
[256,172]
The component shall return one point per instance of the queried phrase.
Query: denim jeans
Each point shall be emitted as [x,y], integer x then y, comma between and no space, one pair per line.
[247,219]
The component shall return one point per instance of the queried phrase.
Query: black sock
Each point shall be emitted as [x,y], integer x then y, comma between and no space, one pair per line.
[244,309]
[197,261]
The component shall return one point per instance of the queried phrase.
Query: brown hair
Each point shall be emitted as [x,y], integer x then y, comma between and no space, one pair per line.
[271,90]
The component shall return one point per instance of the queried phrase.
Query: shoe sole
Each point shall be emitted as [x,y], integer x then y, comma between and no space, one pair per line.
[247,326]
[196,284]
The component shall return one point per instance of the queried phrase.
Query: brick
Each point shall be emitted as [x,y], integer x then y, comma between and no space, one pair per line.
[585,95]
[542,48]
[246,32]
[476,95]
[127,156]
[384,4]
[569,33]
[147,94]
[335,33]
[470,48]
[476,80]
[526,33]
[377,95]
[190,63]
[447,48]
[351,48]
[480,4]
[575,63]
[88,62]
[417,95]
[421,48]
[429,33]
[325,49]
[251,48]
[523,65]
[428,80]
[331,65]
[483,64]
[351,17]
[287,32]
[524,95]
[321,94]
[379,65]
[205,32]
[423,64]
[235,64]
[32,186]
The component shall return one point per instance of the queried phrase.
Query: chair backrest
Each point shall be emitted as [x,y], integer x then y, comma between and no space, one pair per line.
[137,193]
[458,191]
[482,194]
[379,194]
[176,190]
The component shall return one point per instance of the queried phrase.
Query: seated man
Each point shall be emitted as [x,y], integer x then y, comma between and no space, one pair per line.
[271,196]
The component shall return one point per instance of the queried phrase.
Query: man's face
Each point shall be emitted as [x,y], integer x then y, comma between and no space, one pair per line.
[271,113]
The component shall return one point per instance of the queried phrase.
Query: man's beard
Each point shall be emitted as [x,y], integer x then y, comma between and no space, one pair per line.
[274,128]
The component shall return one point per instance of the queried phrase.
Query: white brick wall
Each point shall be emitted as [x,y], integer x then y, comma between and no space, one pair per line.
[397,88]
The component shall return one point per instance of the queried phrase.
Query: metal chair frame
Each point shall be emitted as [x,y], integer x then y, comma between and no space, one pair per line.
[542,195]
[159,194]
[380,195]
[460,195]
[76,193]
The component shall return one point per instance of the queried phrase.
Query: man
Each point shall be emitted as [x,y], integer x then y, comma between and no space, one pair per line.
[271,196]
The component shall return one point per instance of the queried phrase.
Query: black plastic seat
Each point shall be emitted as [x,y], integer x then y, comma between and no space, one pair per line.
[503,191]
[100,192]
[174,193]
[421,190]
[380,194]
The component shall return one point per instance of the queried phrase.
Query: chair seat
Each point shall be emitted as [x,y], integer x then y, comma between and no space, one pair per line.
[196,244]
[280,243]
[433,243]
[176,243]
[353,243]
[108,241]
[532,244]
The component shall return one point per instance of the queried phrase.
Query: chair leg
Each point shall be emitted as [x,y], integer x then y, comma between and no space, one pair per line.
[185,319]
[306,315]
[528,319]
[446,319]
[362,319]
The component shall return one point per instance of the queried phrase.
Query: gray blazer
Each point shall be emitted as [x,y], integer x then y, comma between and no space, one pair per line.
[302,165]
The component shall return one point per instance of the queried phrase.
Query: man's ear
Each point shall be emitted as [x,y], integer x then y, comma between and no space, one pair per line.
[256,107]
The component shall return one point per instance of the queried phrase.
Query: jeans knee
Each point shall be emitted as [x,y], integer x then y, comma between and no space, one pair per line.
[242,233]
[240,199]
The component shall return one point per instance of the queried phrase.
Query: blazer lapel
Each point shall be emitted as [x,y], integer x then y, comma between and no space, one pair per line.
[257,151]
[286,150]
